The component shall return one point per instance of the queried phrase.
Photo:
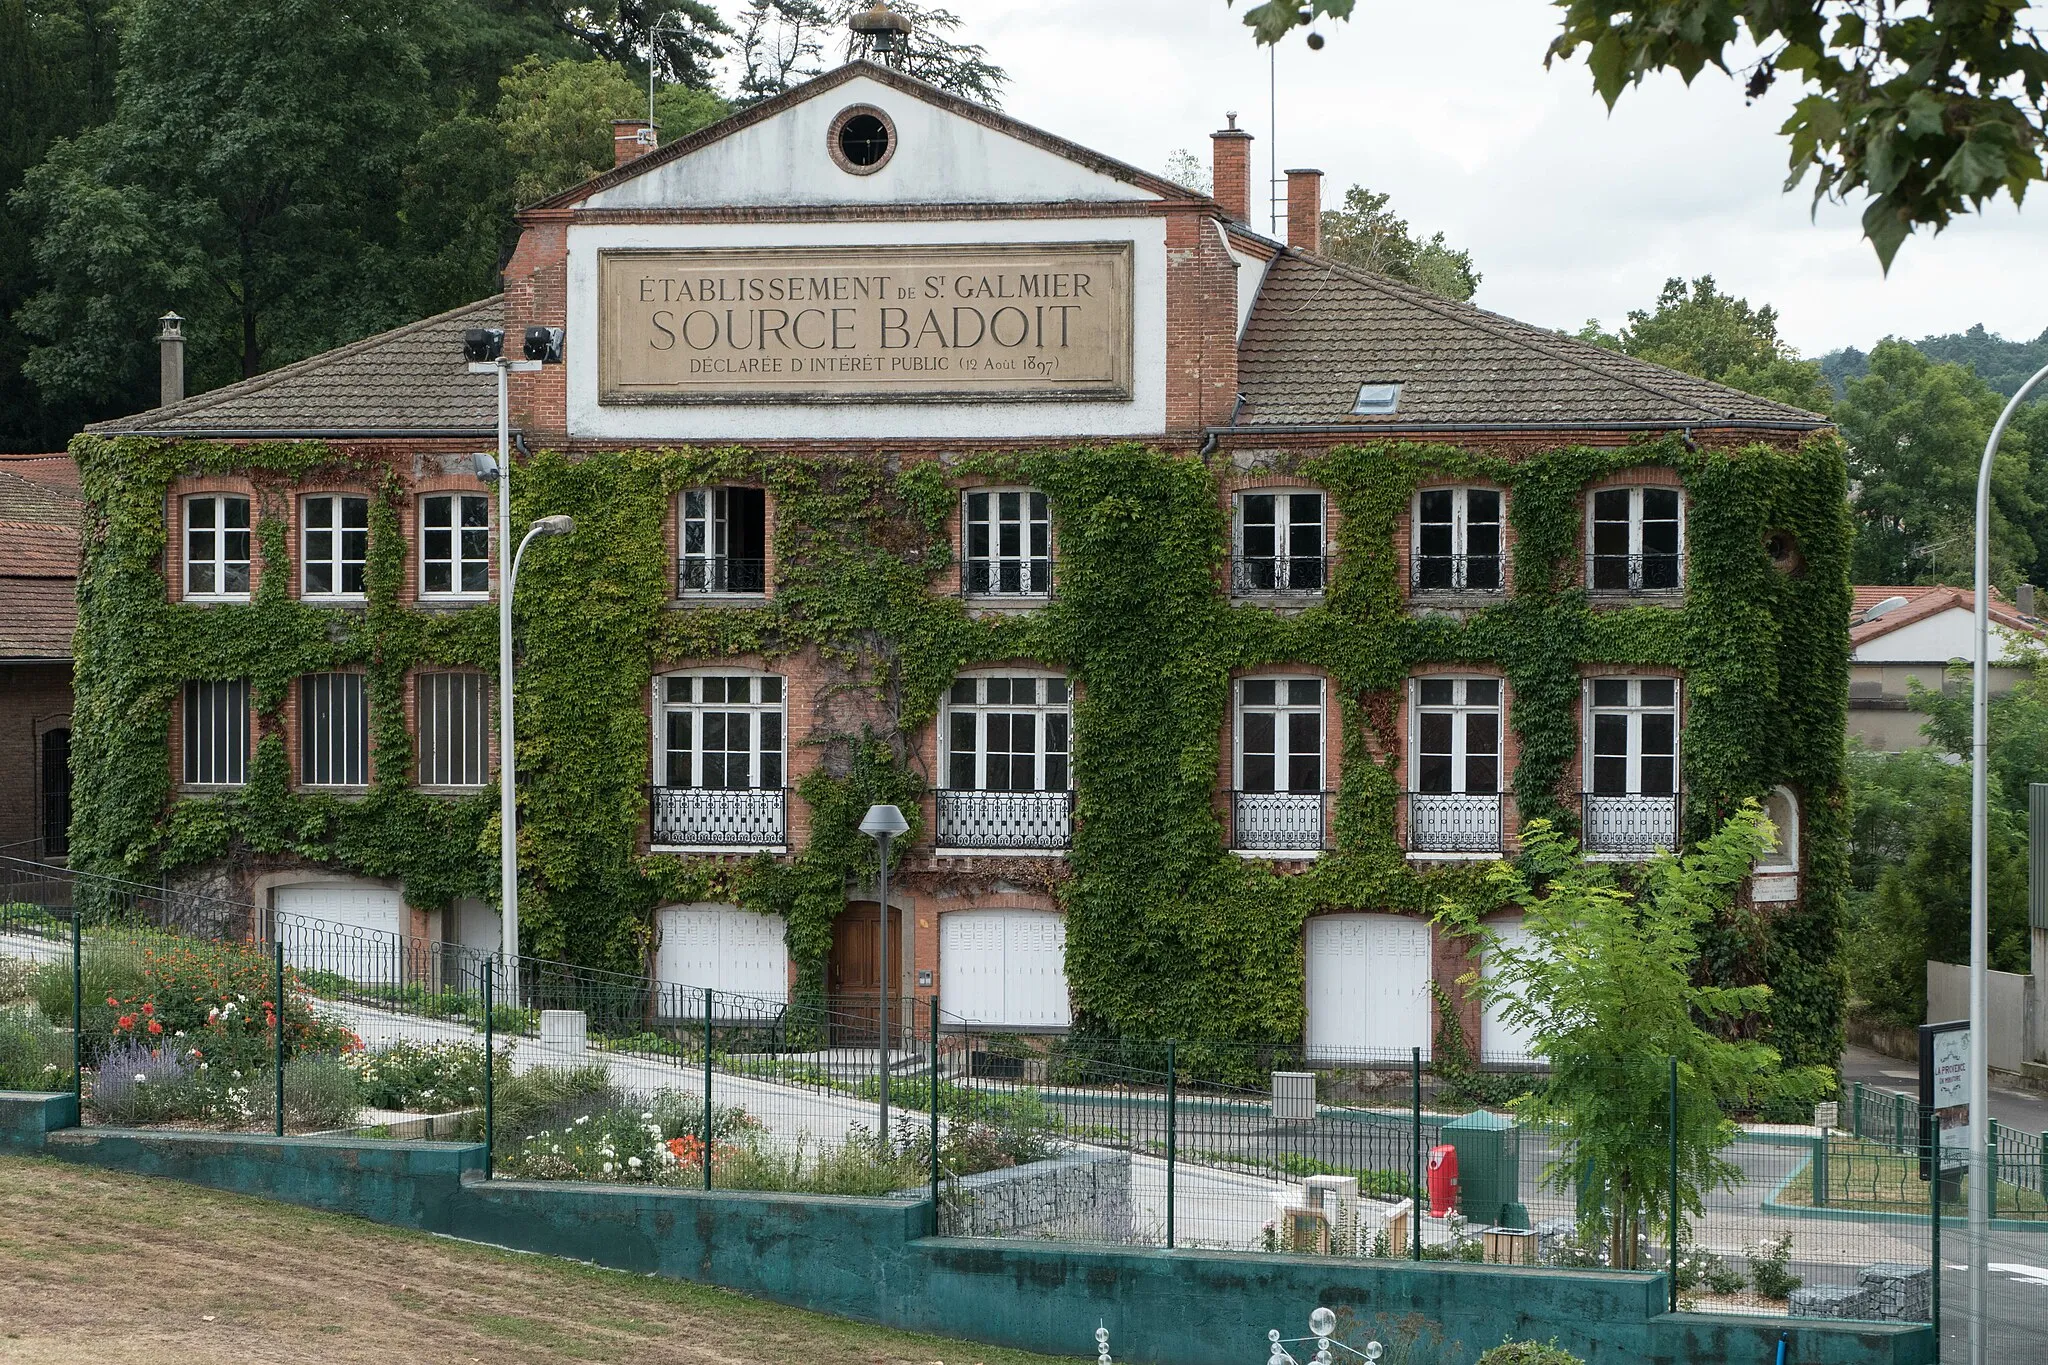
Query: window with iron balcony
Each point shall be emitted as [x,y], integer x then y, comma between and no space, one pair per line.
[719,761]
[1278,802]
[1278,545]
[722,540]
[1009,776]
[1635,541]
[1631,804]
[1454,766]
[1457,541]
[1005,544]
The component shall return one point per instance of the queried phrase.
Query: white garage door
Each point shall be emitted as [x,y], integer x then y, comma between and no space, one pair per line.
[1368,987]
[1005,967]
[725,947]
[350,928]
[1500,1041]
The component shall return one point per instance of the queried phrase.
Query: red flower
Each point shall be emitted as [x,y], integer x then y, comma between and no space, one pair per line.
[156,1026]
[112,1003]
[148,1008]
[126,1021]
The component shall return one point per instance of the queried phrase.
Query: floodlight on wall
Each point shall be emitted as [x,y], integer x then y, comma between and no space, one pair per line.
[483,343]
[485,466]
[544,344]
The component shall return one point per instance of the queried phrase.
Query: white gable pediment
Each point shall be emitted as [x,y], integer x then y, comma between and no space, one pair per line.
[1937,639]
[941,157]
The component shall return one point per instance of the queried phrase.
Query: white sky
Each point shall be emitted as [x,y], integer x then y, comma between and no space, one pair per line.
[1569,213]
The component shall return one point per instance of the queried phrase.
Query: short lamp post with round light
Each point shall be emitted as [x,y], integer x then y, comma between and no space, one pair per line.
[883,823]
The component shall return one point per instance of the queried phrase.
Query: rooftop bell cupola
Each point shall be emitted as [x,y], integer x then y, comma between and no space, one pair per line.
[883,32]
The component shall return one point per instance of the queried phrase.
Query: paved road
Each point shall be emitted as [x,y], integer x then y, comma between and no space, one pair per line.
[2010,1105]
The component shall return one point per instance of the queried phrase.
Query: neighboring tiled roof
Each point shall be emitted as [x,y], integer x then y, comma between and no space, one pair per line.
[410,379]
[58,471]
[33,500]
[1921,603]
[37,616]
[37,550]
[1321,329]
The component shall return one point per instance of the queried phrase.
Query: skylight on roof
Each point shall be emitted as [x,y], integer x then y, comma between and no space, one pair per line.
[1376,400]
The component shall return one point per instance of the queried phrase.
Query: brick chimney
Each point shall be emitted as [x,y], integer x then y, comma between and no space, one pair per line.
[1305,210]
[1230,169]
[170,346]
[632,138]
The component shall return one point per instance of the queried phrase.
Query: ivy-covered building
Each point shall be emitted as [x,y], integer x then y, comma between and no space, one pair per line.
[1214,609]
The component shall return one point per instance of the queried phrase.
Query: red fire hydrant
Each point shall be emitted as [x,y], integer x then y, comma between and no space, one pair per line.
[1443,1180]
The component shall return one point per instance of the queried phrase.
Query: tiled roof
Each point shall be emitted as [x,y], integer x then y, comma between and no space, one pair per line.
[38,550]
[1921,603]
[37,616]
[33,501]
[58,470]
[1321,329]
[412,378]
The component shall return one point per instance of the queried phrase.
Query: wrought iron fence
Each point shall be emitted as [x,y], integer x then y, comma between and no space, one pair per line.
[1456,573]
[720,573]
[1606,573]
[1004,819]
[1630,825]
[1006,577]
[1454,822]
[1277,821]
[718,817]
[1253,575]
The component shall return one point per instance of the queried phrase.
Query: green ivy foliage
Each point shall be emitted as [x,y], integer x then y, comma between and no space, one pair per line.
[1169,934]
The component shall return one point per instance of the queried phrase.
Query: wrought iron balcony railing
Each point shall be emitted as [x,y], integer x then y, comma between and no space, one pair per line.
[1006,577]
[1269,822]
[718,818]
[1454,822]
[1635,574]
[721,573]
[1456,573]
[1285,575]
[1631,825]
[1002,819]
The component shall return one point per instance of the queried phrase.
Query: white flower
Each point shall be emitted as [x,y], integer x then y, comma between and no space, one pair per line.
[647,1114]
[634,1162]
[584,1119]
[558,1146]
[607,1168]
[141,1079]
[234,1075]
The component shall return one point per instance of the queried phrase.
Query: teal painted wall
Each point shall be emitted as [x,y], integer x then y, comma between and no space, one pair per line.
[870,1259]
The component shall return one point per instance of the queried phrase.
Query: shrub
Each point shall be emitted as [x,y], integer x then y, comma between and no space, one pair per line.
[1529,1353]
[33,1055]
[17,977]
[320,1093]
[109,971]
[1768,1261]
[533,1100]
[427,1078]
[135,1084]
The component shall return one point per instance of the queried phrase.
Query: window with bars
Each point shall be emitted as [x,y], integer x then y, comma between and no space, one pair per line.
[216,725]
[722,731]
[1280,735]
[723,536]
[1636,540]
[334,544]
[1008,734]
[216,545]
[1007,550]
[334,730]
[454,725]
[1634,749]
[455,545]
[1458,540]
[1279,543]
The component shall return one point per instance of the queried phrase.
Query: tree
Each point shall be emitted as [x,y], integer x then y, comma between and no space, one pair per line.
[1367,234]
[1190,172]
[783,42]
[2004,365]
[1928,111]
[1916,432]
[556,120]
[248,177]
[1606,984]
[1720,337]
[680,37]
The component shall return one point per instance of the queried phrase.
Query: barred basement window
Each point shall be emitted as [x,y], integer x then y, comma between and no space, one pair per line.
[334,730]
[216,732]
[217,545]
[1008,545]
[454,730]
[455,545]
[335,545]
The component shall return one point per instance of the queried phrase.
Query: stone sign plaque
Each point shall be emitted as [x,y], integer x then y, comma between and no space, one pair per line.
[873,324]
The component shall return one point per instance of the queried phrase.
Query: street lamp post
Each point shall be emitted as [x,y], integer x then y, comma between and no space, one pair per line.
[1981,1174]
[883,823]
[484,347]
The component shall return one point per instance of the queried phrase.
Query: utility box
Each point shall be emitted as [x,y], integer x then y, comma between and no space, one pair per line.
[1294,1096]
[1489,1148]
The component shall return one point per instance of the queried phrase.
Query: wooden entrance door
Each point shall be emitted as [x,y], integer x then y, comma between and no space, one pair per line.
[853,973]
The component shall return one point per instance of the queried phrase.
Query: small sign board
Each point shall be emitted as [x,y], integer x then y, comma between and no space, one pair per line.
[1945,1094]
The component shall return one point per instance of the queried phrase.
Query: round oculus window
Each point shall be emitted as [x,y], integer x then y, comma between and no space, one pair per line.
[862,139]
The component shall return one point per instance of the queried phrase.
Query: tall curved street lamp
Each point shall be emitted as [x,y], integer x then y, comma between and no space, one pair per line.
[1980,914]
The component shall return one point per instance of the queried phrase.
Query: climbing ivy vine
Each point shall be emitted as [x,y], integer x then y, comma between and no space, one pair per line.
[1169,935]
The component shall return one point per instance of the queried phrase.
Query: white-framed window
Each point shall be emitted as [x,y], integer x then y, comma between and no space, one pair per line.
[216,732]
[1006,544]
[217,545]
[454,726]
[455,545]
[334,730]
[334,544]
[1781,808]
[1454,765]
[1634,736]
[721,731]
[1635,540]
[722,534]
[1008,733]
[1280,734]
[1279,542]
[1458,540]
